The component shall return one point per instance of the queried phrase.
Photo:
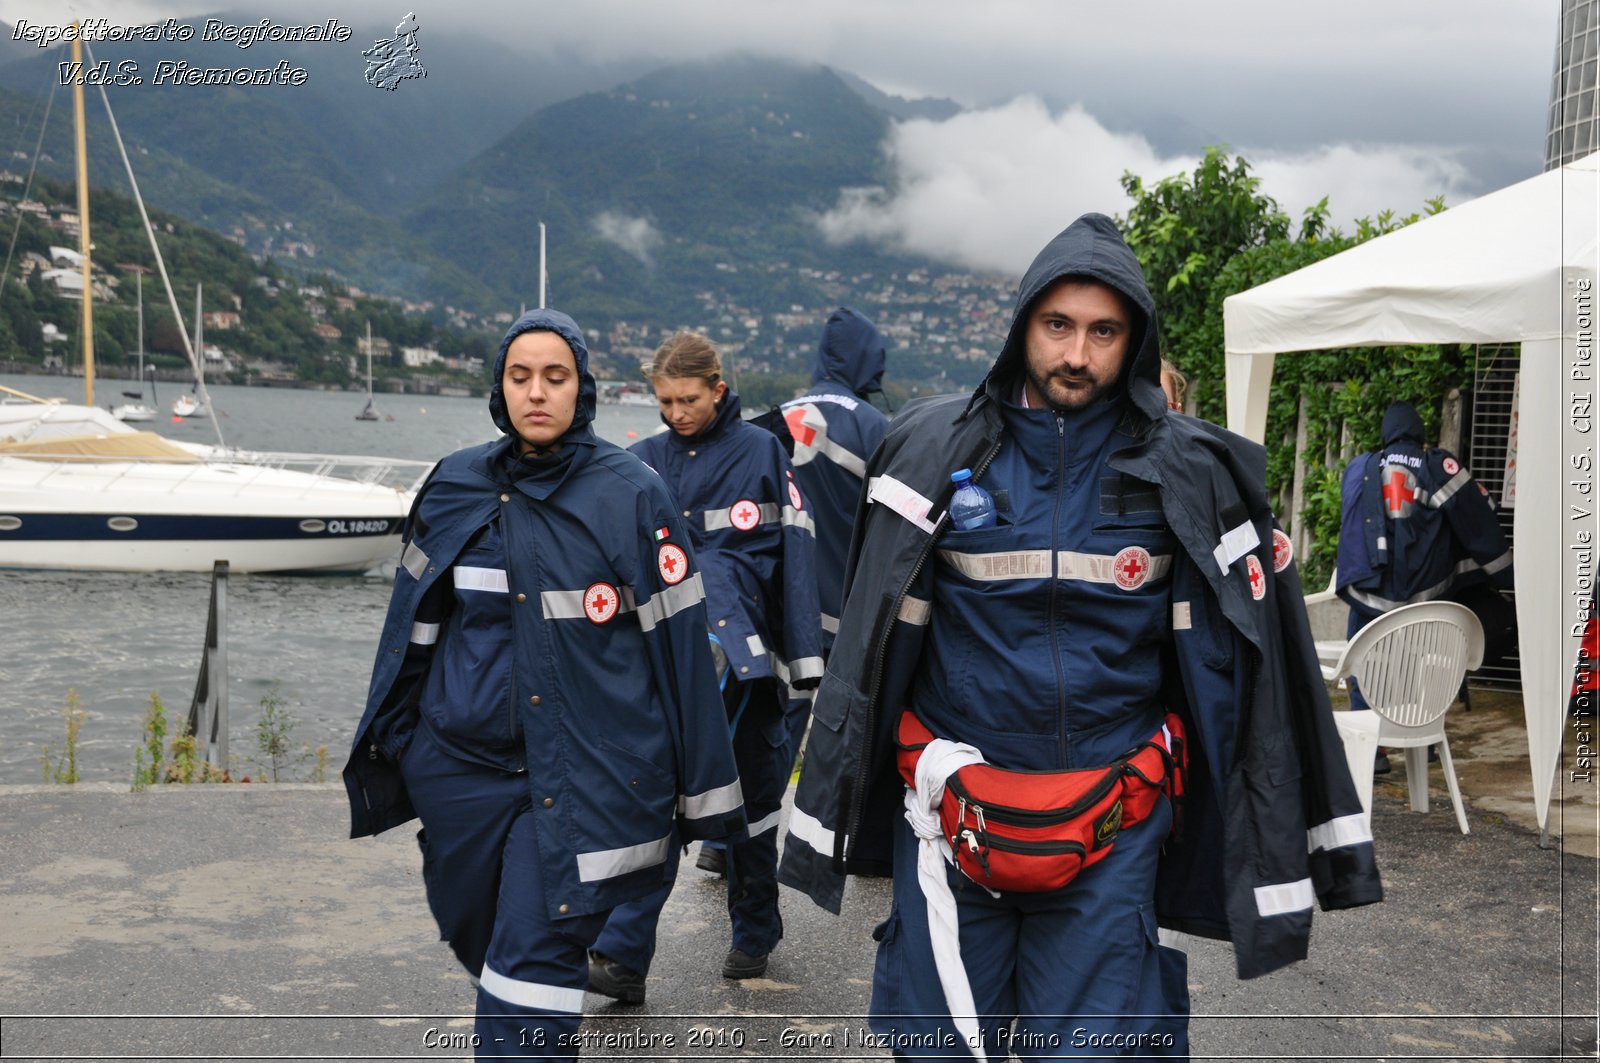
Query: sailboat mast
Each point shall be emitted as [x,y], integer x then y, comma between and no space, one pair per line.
[81,144]
[541,266]
[138,279]
[369,360]
[199,339]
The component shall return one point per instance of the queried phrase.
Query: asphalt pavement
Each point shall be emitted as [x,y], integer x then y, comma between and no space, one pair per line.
[239,922]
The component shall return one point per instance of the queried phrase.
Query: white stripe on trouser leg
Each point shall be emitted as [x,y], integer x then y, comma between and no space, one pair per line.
[765,823]
[939,760]
[530,994]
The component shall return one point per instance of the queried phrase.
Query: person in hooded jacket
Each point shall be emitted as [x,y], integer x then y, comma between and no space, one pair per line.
[1417,527]
[1132,588]
[543,697]
[835,429]
[753,536]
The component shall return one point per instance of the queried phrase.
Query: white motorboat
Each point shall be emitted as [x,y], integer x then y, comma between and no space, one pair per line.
[81,490]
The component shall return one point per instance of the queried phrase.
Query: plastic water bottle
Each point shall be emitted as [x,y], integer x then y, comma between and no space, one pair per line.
[970,507]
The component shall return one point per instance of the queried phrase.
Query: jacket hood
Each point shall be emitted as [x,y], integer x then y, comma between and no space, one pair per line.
[1090,247]
[851,353]
[563,326]
[1401,421]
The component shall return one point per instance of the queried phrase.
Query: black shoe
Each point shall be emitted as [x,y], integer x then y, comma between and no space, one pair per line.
[713,859]
[610,978]
[1381,765]
[743,965]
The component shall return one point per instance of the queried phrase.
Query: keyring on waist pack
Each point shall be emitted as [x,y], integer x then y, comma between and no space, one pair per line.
[1033,831]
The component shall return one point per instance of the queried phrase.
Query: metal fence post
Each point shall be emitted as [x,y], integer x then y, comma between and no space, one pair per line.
[208,709]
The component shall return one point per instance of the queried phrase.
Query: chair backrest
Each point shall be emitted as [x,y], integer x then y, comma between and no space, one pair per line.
[1410,661]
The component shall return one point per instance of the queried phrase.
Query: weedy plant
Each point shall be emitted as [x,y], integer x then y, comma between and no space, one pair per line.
[151,740]
[65,768]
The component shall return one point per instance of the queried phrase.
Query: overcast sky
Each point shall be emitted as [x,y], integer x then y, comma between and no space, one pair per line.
[1377,104]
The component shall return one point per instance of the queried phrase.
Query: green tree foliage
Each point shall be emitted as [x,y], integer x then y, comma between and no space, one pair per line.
[1204,236]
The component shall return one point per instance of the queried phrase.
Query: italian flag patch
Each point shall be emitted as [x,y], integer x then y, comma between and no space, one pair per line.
[661,534]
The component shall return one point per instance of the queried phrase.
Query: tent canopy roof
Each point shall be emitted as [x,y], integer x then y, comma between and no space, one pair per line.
[1488,271]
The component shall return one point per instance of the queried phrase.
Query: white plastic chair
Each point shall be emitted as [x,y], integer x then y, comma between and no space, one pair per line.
[1409,664]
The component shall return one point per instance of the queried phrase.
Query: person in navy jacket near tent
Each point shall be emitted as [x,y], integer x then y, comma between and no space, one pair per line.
[753,536]
[543,698]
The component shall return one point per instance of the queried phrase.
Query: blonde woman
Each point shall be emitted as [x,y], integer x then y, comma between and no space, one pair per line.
[754,539]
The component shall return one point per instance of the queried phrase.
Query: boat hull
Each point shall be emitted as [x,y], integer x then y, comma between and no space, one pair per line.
[155,517]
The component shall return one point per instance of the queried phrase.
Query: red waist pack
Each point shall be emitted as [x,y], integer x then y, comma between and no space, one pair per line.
[1033,831]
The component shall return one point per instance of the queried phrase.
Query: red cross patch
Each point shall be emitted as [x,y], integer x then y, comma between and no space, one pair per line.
[794,496]
[803,434]
[1399,492]
[600,602]
[672,562]
[1282,550]
[1131,567]
[744,514]
[1451,466]
[1258,578]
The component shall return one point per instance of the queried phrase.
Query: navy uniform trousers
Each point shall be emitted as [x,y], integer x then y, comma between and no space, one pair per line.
[761,751]
[480,863]
[1074,973]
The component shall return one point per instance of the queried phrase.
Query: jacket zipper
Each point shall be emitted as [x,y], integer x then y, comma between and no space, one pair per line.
[853,826]
[1055,586]
[1032,817]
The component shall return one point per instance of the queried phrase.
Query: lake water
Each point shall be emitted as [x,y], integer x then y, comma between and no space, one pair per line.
[113,638]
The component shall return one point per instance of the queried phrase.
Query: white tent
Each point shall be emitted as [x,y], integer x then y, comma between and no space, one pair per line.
[1518,265]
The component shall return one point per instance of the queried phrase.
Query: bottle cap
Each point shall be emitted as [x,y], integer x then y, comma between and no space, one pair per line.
[959,475]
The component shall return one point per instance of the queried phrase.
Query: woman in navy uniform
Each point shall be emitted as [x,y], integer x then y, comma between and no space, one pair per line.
[543,699]
[754,538]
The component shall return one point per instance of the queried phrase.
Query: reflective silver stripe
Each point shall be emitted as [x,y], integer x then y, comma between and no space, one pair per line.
[424,634]
[414,560]
[1451,486]
[888,491]
[1427,594]
[830,624]
[531,994]
[1036,564]
[568,605]
[810,830]
[671,601]
[916,611]
[1018,564]
[1498,564]
[1235,544]
[718,519]
[1101,568]
[805,668]
[842,457]
[799,518]
[609,863]
[1338,833]
[1284,898]
[718,802]
[492,580]
[766,823]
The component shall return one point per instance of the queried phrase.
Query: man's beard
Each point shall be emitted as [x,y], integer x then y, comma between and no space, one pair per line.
[1087,392]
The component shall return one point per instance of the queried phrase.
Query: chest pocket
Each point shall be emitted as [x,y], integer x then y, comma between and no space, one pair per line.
[1129,514]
